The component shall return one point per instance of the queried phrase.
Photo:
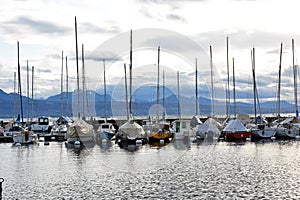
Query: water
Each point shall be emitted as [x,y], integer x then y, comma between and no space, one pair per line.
[179,170]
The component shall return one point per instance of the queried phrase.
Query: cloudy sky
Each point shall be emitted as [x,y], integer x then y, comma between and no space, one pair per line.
[46,28]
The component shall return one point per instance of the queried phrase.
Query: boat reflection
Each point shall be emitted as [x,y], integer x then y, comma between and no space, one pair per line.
[129,147]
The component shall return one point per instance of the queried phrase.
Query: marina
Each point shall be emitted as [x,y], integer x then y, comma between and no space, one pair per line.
[149,100]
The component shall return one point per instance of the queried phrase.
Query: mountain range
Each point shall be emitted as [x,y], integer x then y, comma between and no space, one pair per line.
[143,100]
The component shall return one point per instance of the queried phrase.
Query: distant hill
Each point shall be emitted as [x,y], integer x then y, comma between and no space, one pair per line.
[144,98]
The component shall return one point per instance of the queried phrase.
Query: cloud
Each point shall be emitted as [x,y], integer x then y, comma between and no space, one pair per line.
[24,24]
[89,27]
[176,18]
[245,38]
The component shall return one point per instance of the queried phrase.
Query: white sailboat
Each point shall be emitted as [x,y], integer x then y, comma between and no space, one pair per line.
[131,132]
[290,127]
[260,130]
[20,134]
[79,131]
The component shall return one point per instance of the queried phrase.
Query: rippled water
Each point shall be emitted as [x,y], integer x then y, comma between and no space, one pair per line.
[179,170]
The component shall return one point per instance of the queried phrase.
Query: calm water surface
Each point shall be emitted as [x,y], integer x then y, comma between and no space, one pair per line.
[179,170]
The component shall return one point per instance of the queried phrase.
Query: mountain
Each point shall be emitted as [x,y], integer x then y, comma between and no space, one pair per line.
[144,101]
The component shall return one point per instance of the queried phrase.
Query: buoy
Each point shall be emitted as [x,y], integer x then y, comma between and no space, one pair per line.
[104,141]
[139,142]
[273,138]
[161,142]
[18,144]
[52,138]
[77,142]
[46,143]
[248,139]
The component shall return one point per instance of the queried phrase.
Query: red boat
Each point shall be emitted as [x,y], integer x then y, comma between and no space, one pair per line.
[235,130]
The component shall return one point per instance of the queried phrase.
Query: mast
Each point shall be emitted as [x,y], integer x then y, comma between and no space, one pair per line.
[61,83]
[67,85]
[164,94]
[178,90]
[32,78]
[104,80]
[15,80]
[157,88]
[234,99]
[212,83]
[196,84]
[295,80]
[78,97]
[27,70]
[228,91]
[279,82]
[126,92]
[254,83]
[83,82]
[130,75]
[19,86]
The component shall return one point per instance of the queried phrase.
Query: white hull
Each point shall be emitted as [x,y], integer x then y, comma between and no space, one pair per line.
[265,133]
[282,132]
[22,139]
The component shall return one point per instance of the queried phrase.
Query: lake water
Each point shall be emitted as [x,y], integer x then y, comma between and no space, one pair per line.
[179,170]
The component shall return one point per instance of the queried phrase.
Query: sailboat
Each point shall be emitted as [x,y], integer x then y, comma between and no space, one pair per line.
[106,130]
[235,130]
[60,127]
[210,130]
[131,133]
[20,134]
[288,128]
[79,131]
[159,132]
[260,130]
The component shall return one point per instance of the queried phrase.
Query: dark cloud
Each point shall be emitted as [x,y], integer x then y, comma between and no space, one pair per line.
[176,18]
[39,70]
[23,24]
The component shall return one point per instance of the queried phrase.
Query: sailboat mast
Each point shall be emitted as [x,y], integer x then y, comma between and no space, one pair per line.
[67,86]
[19,85]
[295,79]
[196,84]
[15,80]
[212,83]
[32,78]
[234,99]
[228,82]
[126,92]
[254,83]
[104,80]
[178,90]
[83,82]
[78,96]
[279,82]
[157,87]
[61,83]
[27,70]
[130,75]
[164,94]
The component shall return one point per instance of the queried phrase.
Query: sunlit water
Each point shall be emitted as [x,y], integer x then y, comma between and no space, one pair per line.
[179,170]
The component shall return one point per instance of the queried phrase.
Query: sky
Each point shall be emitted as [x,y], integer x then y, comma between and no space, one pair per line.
[183,28]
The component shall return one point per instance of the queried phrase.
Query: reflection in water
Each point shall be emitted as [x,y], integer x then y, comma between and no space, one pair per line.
[179,170]
[129,147]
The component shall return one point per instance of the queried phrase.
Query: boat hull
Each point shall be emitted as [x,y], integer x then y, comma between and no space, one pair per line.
[238,135]
[262,134]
